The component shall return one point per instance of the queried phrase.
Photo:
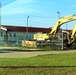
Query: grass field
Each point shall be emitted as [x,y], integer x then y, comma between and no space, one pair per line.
[52,64]
[38,71]
[66,59]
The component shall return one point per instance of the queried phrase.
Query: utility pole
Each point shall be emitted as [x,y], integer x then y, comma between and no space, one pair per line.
[66,26]
[0,19]
[59,14]
[62,33]
[27,28]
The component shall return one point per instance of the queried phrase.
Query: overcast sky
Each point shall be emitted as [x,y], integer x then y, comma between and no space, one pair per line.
[42,13]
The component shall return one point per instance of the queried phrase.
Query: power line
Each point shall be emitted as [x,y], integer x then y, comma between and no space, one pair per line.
[37,22]
[30,21]
[43,16]
[40,16]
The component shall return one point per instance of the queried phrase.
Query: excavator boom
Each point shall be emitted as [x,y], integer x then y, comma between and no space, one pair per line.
[62,21]
[72,37]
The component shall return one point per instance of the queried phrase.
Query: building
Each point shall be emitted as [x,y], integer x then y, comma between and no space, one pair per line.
[12,34]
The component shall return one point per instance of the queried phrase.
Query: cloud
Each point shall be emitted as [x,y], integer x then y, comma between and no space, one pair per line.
[18,7]
[6,2]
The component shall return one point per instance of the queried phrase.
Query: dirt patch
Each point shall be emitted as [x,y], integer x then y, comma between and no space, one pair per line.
[14,52]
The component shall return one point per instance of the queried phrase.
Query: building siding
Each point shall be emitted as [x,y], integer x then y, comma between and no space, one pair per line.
[16,33]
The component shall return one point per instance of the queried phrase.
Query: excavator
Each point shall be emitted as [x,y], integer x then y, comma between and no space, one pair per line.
[72,37]
[55,28]
[41,36]
[62,21]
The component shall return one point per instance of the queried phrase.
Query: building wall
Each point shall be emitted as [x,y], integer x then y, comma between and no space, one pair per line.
[2,35]
[15,36]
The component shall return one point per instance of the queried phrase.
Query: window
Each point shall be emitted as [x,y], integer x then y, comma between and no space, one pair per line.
[14,34]
[1,33]
[10,34]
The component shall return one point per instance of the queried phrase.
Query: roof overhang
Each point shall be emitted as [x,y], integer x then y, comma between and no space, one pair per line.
[3,28]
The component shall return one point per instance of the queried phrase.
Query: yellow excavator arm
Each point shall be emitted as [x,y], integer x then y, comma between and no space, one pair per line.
[62,21]
[72,36]
[54,30]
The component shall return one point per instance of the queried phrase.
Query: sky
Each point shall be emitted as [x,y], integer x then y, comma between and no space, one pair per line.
[42,13]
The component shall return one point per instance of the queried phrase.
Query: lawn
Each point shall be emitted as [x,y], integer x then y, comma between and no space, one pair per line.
[52,64]
[38,71]
[66,59]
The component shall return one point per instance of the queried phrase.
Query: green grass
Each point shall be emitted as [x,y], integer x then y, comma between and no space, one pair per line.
[67,59]
[63,64]
[37,71]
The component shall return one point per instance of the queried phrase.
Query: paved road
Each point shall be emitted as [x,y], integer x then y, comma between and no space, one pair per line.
[15,52]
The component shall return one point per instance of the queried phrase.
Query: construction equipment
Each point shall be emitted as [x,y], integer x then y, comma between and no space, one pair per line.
[62,21]
[55,29]
[72,35]
[41,36]
[69,41]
